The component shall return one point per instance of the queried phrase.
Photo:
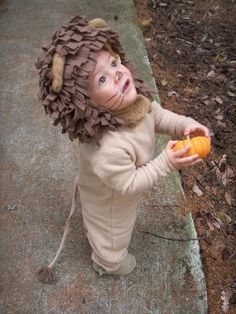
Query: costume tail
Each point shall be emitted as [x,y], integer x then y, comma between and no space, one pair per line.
[46,274]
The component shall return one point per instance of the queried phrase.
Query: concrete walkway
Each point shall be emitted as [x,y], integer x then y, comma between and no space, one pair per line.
[38,166]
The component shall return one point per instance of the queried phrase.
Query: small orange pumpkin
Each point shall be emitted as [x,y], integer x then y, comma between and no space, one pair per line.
[200,145]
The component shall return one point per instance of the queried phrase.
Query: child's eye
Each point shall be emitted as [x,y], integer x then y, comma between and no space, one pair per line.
[102,79]
[114,63]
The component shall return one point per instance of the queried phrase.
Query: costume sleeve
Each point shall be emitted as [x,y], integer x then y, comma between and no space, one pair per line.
[117,169]
[168,122]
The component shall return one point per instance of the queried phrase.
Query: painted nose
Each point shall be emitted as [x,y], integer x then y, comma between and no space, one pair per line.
[118,76]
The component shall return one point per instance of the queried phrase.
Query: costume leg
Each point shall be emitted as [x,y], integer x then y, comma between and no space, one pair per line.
[109,233]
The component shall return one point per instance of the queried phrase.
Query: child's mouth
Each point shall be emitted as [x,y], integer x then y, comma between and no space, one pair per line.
[125,86]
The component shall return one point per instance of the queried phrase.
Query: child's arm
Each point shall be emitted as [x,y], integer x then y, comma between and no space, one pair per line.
[116,168]
[175,125]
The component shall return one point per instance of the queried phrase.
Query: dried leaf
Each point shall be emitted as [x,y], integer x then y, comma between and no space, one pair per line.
[221,78]
[221,124]
[223,161]
[173,93]
[218,174]
[214,220]
[219,116]
[218,58]
[216,224]
[207,102]
[219,221]
[211,74]
[164,82]
[227,176]
[204,37]
[145,22]
[191,90]
[210,225]
[230,94]
[224,217]
[228,198]
[214,190]
[225,297]
[219,100]
[204,97]
[197,190]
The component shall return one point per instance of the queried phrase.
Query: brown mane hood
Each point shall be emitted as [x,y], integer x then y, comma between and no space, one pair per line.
[79,43]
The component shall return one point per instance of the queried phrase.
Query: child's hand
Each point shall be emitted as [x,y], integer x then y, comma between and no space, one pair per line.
[177,158]
[196,129]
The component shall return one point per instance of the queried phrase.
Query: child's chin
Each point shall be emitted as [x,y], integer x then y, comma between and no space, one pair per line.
[130,99]
[126,105]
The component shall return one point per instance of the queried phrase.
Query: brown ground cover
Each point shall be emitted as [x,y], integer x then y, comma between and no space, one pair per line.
[191,47]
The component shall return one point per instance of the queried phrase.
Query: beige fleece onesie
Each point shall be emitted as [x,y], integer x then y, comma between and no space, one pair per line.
[113,177]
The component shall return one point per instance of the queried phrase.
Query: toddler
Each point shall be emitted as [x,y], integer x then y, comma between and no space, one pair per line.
[86,86]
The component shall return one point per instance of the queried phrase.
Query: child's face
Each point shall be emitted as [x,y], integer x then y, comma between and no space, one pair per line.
[111,84]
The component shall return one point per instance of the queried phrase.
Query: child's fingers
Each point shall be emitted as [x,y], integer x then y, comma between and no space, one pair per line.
[182,151]
[189,158]
[194,162]
[171,144]
[189,161]
[197,130]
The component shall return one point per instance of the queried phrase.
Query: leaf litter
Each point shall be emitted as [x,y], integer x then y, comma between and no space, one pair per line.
[193,56]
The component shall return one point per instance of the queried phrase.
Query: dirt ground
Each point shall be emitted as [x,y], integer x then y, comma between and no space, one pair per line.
[192,50]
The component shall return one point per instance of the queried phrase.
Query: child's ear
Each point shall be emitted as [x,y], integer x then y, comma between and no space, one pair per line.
[118,60]
[97,23]
[58,63]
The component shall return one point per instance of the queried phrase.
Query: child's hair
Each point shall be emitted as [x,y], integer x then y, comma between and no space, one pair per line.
[64,67]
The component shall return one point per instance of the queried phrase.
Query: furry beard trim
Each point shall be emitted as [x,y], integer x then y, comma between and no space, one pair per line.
[134,113]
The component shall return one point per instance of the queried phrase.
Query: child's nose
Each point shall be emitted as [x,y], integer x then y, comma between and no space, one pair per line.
[118,76]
